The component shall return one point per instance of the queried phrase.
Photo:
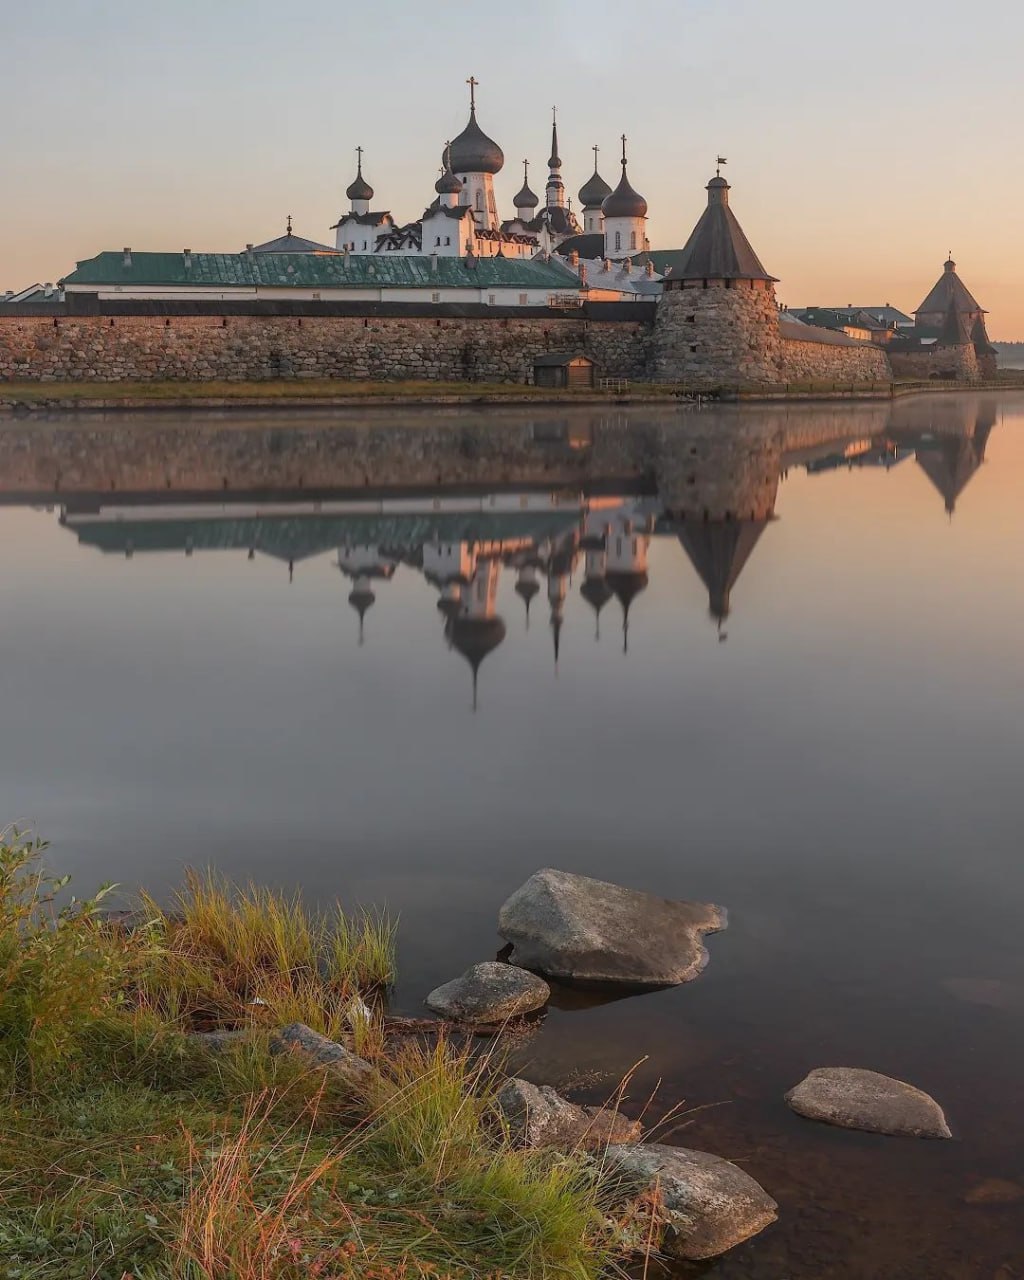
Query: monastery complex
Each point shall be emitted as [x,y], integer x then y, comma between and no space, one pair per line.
[461,293]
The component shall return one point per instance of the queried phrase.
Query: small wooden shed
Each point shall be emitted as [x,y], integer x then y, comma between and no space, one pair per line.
[564,369]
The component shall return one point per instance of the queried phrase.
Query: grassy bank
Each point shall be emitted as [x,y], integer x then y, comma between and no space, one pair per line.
[129,1148]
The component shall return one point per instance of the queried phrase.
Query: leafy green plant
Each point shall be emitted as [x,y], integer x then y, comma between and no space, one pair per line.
[60,965]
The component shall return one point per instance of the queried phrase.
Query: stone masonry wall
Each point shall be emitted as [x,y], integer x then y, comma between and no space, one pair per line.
[717,336]
[954,363]
[254,348]
[822,362]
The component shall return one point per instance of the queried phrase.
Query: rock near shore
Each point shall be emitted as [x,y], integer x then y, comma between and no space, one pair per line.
[857,1099]
[575,928]
[321,1052]
[537,1116]
[489,993]
[709,1205]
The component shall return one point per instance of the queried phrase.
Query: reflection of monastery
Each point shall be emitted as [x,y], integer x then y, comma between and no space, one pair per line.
[546,545]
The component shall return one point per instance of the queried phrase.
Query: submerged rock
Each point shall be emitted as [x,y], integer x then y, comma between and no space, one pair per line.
[572,927]
[537,1116]
[857,1099]
[708,1204]
[995,1191]
[321,1052]
[490,992]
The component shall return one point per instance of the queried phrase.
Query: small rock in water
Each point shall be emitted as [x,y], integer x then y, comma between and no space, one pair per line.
[298,1038]
[856,1099]
[709,1204]
[490,992]
[585,930]
[537,1116]
[995,1191]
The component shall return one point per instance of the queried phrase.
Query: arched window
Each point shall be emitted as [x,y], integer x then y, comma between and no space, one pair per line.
[480,202]
[632,239]
[618,240]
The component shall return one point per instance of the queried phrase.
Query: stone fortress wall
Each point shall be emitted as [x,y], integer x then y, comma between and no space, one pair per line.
[713,337]
[208,348]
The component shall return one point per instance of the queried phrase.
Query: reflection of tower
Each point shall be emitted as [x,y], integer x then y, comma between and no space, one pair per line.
[476,630]
[363,562]
[449,566]
[718,550]
[950,461]
[626,545]
[595,589]
[527,587]
[559,571]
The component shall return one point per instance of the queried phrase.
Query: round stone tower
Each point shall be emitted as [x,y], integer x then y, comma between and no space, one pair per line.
[717,321]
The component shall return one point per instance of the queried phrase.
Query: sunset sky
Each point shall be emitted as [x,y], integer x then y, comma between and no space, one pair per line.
[864,143]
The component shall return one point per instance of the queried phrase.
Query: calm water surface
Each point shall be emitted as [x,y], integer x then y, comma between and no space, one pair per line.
[815,719]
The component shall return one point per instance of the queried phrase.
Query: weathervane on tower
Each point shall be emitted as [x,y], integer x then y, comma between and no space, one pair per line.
[718,167]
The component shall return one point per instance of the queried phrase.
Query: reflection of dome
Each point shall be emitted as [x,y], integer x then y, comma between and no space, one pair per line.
[449,606]
[596,592]
[361,598]
[473,152]
[526,589]
[626,587]
[475,638]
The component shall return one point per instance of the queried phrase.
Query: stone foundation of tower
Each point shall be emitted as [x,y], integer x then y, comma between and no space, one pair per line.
[947,363]
[726,333]
[717,331]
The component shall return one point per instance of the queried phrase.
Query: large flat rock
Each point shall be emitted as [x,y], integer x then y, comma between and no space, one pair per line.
[572,927]
[857,1099]
[710,1205]
[488,993]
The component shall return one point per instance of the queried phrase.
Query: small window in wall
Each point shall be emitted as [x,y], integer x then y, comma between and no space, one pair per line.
[618,546]
[435,297]
[632,239]
[364,246]
[522,299]
[618,240]
[490,299]
[437,240]
[447,239]
[480,202]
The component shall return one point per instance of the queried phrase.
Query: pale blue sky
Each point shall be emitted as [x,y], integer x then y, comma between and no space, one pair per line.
[863,141]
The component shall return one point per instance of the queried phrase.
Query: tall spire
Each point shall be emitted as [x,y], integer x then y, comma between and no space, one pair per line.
[554,192]
[554,161]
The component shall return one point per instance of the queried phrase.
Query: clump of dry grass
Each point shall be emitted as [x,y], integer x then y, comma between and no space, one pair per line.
[228,957]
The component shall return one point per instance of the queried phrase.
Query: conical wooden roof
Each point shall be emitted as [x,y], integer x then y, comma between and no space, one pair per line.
[949,291]
[717,248]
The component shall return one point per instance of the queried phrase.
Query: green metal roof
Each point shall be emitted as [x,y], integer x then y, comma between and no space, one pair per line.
[326,271]
[299,537]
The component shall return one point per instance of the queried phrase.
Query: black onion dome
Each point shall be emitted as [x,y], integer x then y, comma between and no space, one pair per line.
[624,202]
[594,191]
[473,152]
[448,184]
[526,199]
[360,189]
